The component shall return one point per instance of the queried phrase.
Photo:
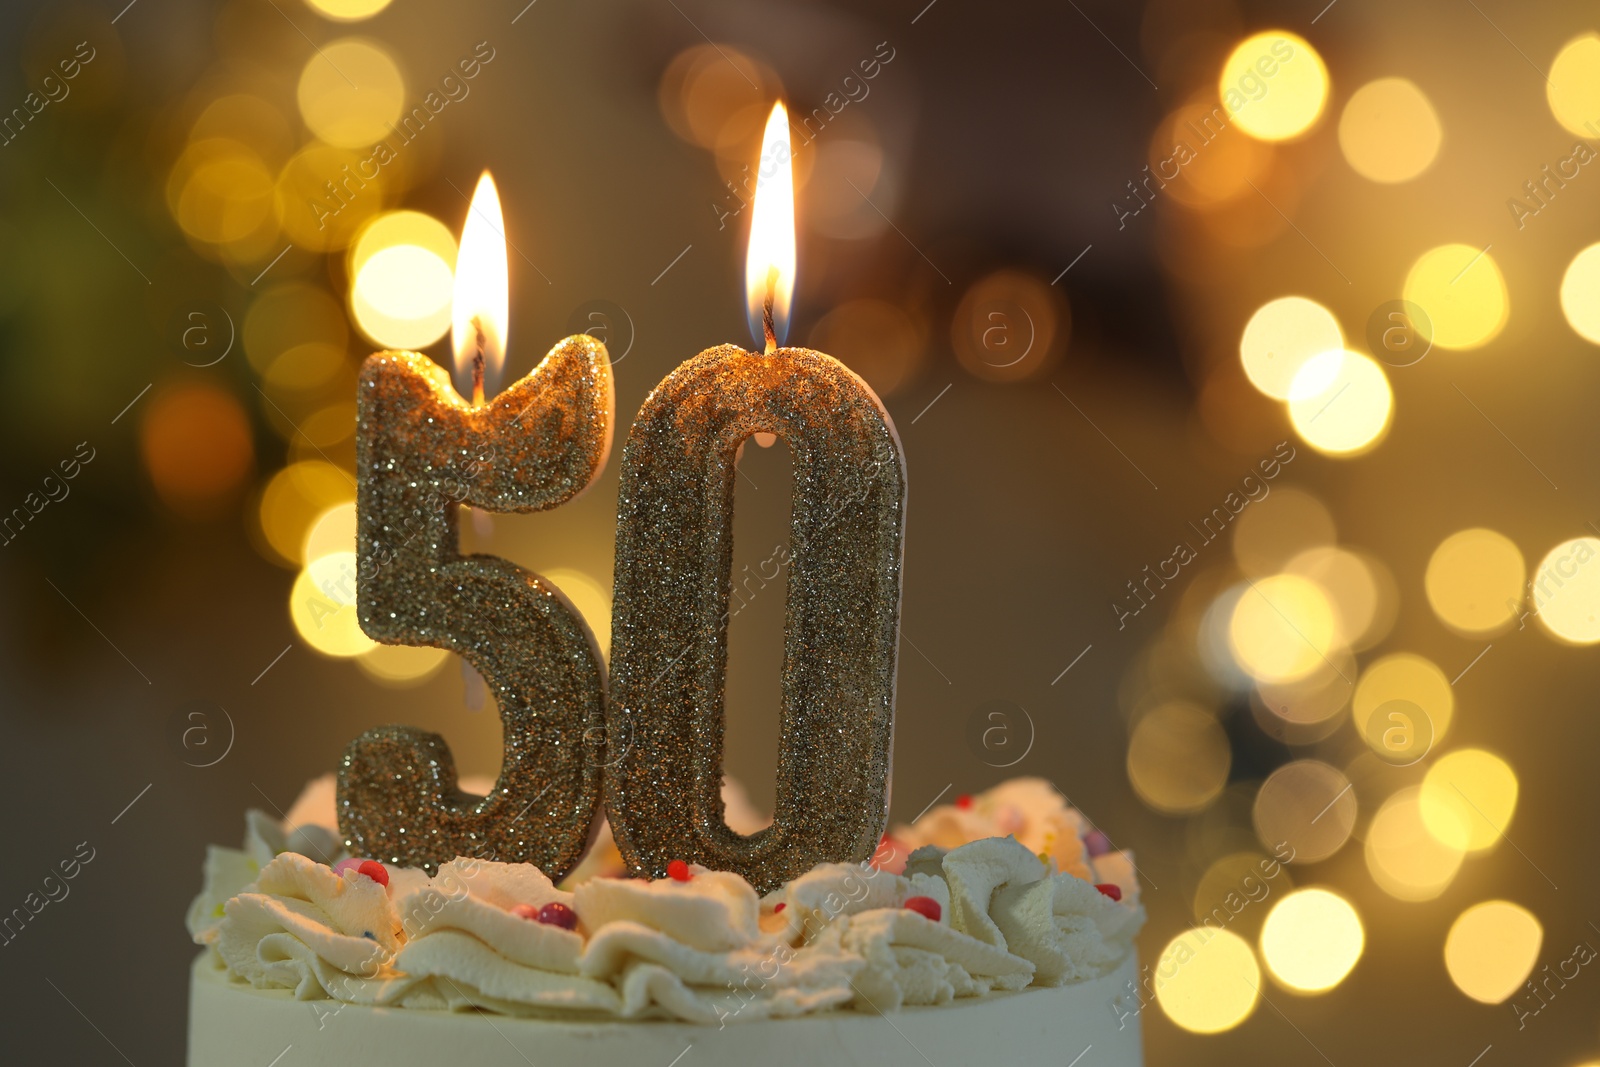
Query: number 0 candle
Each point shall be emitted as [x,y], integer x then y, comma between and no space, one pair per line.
[673,562]
[422,451]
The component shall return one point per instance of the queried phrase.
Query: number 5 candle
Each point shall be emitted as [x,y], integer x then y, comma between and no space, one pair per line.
[673,564]
[421,452]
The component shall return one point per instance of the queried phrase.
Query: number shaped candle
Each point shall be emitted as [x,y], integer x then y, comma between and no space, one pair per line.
[670,609]
[421,452]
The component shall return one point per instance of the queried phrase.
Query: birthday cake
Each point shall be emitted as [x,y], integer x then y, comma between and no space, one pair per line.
[996,929]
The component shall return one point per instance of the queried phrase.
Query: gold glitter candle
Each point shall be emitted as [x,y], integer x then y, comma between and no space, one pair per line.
[669,624]
[421,452]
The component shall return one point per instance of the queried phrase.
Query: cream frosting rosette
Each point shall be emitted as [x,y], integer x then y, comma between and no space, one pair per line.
[965,920]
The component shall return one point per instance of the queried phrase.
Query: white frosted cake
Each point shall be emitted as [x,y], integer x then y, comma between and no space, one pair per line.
[996,930]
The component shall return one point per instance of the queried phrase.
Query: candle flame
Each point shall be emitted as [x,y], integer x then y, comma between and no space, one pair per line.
[479,313]
[770,260]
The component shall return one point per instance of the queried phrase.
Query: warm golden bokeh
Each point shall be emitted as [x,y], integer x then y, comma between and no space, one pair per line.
[1307,805]
[1311,940]
[196,445]
[1281,336]
[1491,949]
[1274,85]
[1282,628]
[1475,581]
[322,606]
[1573,85]
[351,93]
[1404,676]
[400,666]
[1207,981]
[1010,326]
[347,10]
[1461,289]
[1566,591]
[1404,859]
[1272,531]
[1178,758]
[293,500]
[332,531]
[1468,799]
[876,339]
[1352,587]
[1580,294]
[1389,131]
[1340,403]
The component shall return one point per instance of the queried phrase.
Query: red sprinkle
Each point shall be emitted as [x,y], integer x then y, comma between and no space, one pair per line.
[679,871]
[1112,891]
[964,801]
[925,906]
[779,907]
[556,913]
[374,870]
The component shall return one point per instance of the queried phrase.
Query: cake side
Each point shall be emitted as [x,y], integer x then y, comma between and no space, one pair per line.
[233,1025]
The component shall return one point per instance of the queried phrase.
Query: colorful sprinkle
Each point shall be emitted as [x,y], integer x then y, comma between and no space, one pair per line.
[556,913]
[964,801]
[927,907]
[779,906]
[1112,891]
[525,911]
[1096,843]
[679,871]
[374,870]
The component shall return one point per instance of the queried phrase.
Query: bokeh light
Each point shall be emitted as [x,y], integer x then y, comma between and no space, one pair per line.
[196,445]
[347,10]
[874,338]
[1352,587]
[1282,628]
[1311,940]
[1340,403]
[1411,729]
[1580,294]
[1474,581]
[1009,326]
[1573,85]
[1491,949]
[1389,131]
[322,606]
[1463,293]
[401,666]
[1566,591]
[1208,165]
[1307,805]
[220,191]
[323,220]
[1404,859]
[1468,799]
[401,295]
[1273,85]
[1178,758]
[1231,885]
[332,531]
[1281,336]
[293,499]
[351,93]
[1277,528]
[1207,980]
[710,87]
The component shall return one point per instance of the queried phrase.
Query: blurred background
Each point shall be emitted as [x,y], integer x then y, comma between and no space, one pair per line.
[1243,357]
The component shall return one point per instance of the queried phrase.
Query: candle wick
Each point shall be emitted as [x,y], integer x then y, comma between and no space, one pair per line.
[477,362]
[767,326]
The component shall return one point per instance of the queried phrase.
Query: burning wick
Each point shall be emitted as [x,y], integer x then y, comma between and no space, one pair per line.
[477,361]
[766,311]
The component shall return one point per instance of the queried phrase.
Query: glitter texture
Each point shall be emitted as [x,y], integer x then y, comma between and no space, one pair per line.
[670,615]
[421,452]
